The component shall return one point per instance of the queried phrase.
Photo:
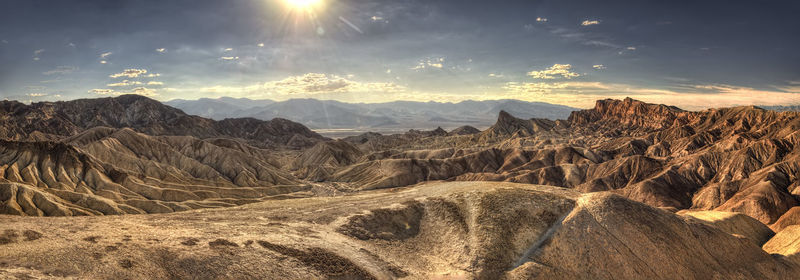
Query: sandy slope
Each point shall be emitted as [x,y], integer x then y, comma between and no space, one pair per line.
[484,230]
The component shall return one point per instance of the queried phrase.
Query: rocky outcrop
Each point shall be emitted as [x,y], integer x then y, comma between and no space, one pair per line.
[507,125]
[464,130]
[627,113]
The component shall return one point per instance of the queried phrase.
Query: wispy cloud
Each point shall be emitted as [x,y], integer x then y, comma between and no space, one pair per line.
[229,58]
[124,83]
[102,91]
[130,73]
[437,63]
[155,83]
[37,53]
[599,67]
[61,70]
[563,70]
[541,19]
[105,54]
[161,50]
[307,85]
[590,22]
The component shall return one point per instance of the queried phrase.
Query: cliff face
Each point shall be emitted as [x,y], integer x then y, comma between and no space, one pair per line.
[627,113]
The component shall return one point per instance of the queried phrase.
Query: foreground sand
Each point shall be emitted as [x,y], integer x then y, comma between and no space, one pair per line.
[455,230]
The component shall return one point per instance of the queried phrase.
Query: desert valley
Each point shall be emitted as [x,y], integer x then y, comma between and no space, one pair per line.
[399,139]
[129,188]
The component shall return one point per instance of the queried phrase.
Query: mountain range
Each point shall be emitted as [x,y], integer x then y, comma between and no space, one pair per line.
[390,116]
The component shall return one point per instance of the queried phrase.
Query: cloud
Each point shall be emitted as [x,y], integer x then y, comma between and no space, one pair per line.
[377,18]
[124,83]
[36,94]
[227,49]
[493,75]
[144,91]
[130,73]
[154,83]
[541,19]
[105,54]
[563,70]
[524,88]
[102,91]
[152,75]
[528,27]
[430,63]
[36,54]
[61,70]
[599,67]
[103,62]
[260,45]
[161,50]
[590,22]
[631,48]
[307,85]
[229,58]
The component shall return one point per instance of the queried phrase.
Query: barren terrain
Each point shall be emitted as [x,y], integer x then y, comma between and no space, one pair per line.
[626,190]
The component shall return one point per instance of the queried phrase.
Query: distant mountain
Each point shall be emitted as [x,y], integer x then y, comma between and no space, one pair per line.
[221,108]
[790,108]
[397,115]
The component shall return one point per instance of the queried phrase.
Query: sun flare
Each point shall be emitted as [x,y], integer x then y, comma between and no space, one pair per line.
[302,4]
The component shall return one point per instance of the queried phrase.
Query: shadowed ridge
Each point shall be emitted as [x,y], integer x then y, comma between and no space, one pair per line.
[145,115]
[508,125]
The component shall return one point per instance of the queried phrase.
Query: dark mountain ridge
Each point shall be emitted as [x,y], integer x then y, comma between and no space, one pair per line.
[66,118]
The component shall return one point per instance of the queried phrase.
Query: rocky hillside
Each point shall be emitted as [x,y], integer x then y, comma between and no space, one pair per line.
[105,171]
[742,159]
[462,230]
[58,119]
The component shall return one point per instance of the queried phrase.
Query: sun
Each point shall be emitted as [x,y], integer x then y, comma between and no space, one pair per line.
[302,4]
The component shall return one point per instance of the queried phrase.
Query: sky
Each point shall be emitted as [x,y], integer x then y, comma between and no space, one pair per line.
[693,54]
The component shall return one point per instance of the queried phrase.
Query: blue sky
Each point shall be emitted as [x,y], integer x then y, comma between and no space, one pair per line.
[693,54]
